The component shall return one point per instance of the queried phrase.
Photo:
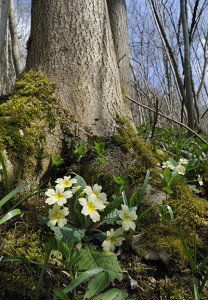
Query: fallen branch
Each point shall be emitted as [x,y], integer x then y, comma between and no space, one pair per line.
[168,118]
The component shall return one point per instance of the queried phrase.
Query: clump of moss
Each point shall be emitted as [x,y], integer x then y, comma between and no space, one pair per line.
[140,151]
[164,239]
[178,288]
[188,208]
[26,114]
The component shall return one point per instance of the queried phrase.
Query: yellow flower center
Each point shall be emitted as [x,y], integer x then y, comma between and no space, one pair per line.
[66,182]
[126,217]
[57,215]
[58,196]
[91,206]
[113,239]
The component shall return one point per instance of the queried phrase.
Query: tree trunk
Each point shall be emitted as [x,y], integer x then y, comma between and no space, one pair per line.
[187,66]
[14,38]
[4,11]
[71,43]
[119,28]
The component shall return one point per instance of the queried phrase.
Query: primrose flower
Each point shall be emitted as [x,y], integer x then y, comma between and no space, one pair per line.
[90,207]
[96,190]
[180,169]
[172,167]
[183,161]
[128,216]
[67,181]
[166,164]
[114,238]
[58,195]
[57,215]
[200,180]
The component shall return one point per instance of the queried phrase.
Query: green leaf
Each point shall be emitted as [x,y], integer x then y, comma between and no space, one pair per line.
[173,162]
[146,211]
[57,160]
[170,212]
[205,261]
[12,194]
[167,190]
[60,294]
[124,198]
[196,291]
[80,181]
[173,178]
[50,247]
[101,160]
[66,249]
[131,201]
[191,164]
[143,189]
[91,258]
[187,252]
[111,206]
[68,233]
[81,278]
[5,174]
[97,284]
[10,215]
[112,218]
[114,294]
[44,220]
[167,175]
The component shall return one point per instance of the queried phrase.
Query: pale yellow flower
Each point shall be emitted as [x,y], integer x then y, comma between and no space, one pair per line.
[67,181]
[91,205]
[114,238]
[128,216]
[58,195]
[57,215]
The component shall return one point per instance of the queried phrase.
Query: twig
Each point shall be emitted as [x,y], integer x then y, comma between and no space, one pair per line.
[174,121]
[155,117]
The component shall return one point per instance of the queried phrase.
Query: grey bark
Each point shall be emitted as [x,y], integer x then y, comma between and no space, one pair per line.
[119,28]
[14,38]
[187,66]
[71,43]
[4,12]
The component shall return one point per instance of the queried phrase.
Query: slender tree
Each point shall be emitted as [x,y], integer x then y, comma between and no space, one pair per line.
[4,12]
[14,39]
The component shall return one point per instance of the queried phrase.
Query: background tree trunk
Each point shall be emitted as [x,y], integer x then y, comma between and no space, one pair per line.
[187,66]
[14,38]
[71,43]
[119,28]
[4,11]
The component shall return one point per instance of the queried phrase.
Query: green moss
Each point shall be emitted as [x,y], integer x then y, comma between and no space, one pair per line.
[130,142]
[165,239]
[178,288]
[188,208]
[26,115]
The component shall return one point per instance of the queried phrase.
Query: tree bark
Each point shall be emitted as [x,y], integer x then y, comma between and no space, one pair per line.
[187,66]
[119,28]
[4,12]
[71,43]
[14,38]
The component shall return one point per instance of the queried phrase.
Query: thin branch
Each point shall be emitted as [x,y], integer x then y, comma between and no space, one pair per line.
[168,118]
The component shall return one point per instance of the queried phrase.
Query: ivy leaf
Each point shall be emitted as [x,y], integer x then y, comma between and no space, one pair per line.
[97,284]
[68,233]
[91,258]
